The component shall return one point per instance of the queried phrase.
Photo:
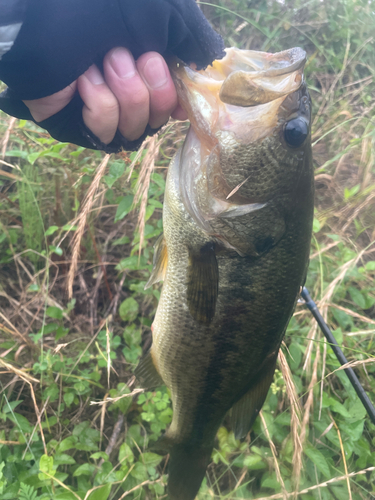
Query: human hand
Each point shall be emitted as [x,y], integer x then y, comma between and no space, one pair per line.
[58,42]
[130,95]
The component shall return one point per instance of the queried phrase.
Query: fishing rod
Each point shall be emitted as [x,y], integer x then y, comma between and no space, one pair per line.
[339,354]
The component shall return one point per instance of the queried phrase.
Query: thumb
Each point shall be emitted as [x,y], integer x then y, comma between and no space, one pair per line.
[43,108]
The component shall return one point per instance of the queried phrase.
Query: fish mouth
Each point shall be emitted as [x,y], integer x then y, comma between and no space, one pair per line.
[242,93]
[245,77]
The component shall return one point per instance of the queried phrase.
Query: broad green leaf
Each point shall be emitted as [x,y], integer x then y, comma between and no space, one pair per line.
[63,459]
[51,230]
[139,472]
[68,443]
[54,312]
[64,495]
[46,467]
[21,422]
[354,431]
[319,460]
[84,470]
[357,297]
[121,241]
[69,227]
[10,405]
[150,459]
[99,454]
[46,329]
[57,250]
[335,406]
[124,207]
[129,309]
[68,398]
[316,226]
[61,332]
[117,169]
[126,454]
[254,462]
[101,493]
[357,412]
[109,180]
[132,263]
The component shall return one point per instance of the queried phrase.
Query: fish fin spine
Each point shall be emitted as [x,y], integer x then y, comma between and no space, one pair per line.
[147,373]
[159,263]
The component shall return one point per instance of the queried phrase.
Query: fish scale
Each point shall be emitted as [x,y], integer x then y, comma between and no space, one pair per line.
[232,262]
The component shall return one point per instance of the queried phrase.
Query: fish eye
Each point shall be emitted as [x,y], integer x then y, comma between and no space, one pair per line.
[295,132]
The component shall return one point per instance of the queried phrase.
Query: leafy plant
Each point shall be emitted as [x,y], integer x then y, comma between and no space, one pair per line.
[73,424]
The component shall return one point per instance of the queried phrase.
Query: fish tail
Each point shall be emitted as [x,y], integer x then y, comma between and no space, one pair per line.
[187,467]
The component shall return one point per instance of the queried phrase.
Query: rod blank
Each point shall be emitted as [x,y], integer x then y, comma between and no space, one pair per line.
[339,354]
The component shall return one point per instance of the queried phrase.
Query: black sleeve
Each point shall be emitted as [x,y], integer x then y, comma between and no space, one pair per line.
[60,39]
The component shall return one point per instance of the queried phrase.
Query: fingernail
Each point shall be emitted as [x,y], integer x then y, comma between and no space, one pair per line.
[155,73]
[122,63]
[94,75]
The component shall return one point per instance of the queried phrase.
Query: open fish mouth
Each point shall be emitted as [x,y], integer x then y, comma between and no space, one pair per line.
[246,77]
[243,93]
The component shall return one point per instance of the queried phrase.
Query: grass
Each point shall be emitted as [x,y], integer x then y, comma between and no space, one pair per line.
[73,424]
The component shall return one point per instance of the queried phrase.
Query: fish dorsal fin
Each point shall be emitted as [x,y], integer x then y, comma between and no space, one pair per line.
[246,410]
[147,373]
[202,283]
[160,262]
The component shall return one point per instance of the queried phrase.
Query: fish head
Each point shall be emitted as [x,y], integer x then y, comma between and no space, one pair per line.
[249,140]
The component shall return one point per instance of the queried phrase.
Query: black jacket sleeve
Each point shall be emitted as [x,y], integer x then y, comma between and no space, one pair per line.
[60,39]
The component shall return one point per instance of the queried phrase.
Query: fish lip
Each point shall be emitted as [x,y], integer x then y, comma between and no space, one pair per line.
[298,59]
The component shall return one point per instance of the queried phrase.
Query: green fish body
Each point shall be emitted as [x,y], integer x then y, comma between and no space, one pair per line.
[237,218]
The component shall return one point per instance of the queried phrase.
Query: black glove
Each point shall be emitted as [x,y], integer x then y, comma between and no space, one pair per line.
[60,39]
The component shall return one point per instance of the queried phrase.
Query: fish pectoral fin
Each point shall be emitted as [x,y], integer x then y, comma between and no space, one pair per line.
[160,262]
[246,410]
[202,284]
[147,373]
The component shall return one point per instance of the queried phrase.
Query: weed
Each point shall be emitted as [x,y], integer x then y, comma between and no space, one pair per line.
[73,425]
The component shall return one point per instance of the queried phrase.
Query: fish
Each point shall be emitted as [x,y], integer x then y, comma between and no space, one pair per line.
[237,224]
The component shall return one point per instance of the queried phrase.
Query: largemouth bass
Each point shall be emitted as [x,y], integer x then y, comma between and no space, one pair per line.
[237,216]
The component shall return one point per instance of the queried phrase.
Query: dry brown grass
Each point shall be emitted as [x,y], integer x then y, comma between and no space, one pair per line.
[143,183]
[81,221]
[295,412]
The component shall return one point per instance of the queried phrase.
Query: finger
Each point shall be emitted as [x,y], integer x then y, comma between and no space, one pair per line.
[43,108]
[131,92]
[163,97]
[179,113]
[101,110]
